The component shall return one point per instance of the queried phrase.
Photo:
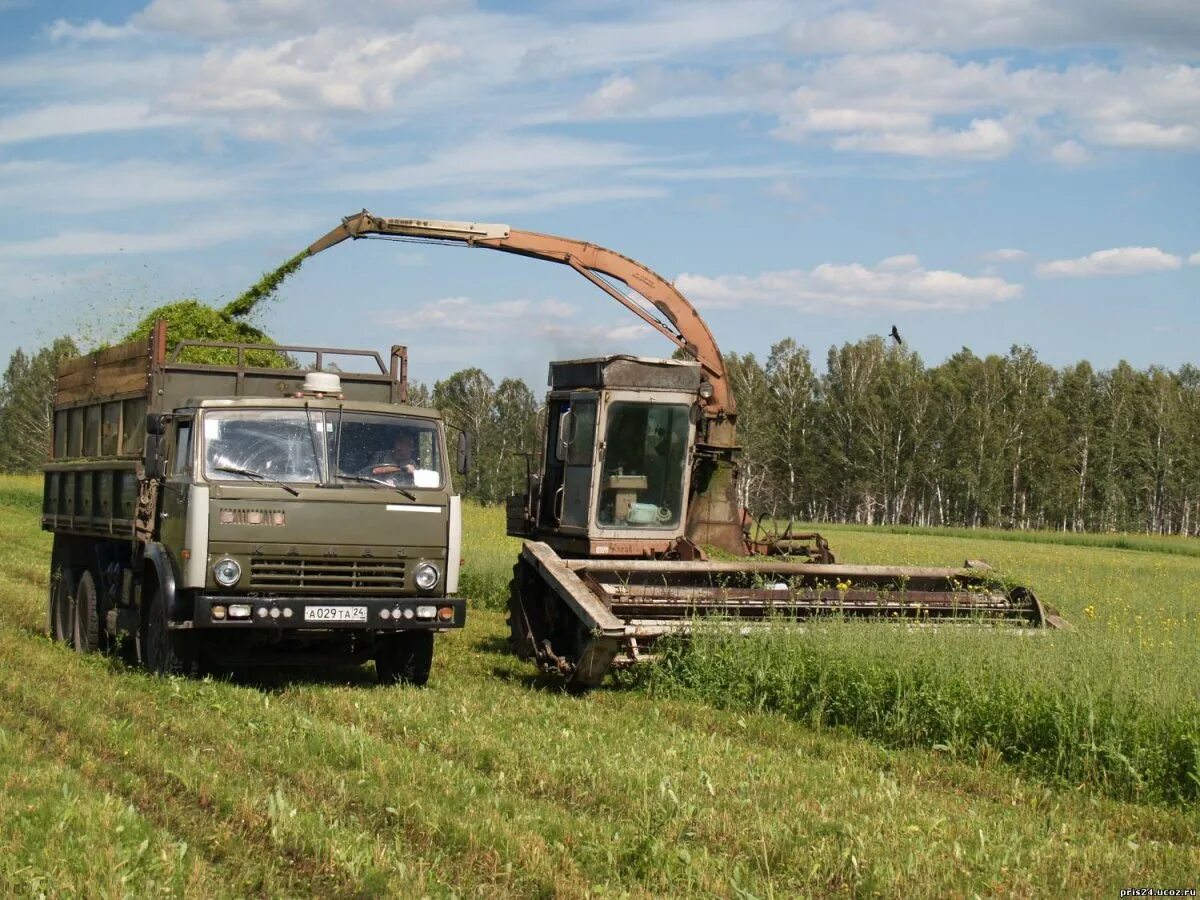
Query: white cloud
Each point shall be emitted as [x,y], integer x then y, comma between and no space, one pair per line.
[896,283]
[281,69]
[60,187]
[1194,259]
[221,19]
[853,31]
[91,30]
[1070,153]
[983,139]
[914,103]
[787,190]
[166,238]
[1138,133]
[467,315]
[1005,254]
[67,119]
[539,201]
[612,96]
[327,70]
[588,337]
[1117,261]
[518,161]
[556,328]
[1163,25]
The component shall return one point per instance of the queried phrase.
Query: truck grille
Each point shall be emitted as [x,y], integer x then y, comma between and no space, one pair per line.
[296,573]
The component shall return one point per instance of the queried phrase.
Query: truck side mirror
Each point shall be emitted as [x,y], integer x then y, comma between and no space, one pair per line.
[156,423]
[463,462]
[154,454]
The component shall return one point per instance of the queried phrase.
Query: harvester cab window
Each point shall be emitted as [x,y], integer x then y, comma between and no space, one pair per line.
[641,480]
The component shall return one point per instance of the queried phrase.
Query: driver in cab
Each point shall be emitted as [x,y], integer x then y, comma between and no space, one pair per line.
[402,463]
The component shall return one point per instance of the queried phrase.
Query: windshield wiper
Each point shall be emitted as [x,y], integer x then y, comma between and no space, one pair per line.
[260,476]
[312,436]
[387,484]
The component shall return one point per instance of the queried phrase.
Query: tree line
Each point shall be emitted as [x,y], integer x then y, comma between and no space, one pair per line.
[1002,441]
[876,437]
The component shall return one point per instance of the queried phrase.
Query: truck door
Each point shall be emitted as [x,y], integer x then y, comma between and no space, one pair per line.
[577,449]
[176,482]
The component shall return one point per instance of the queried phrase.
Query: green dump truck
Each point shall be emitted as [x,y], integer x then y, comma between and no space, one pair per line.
[225,505]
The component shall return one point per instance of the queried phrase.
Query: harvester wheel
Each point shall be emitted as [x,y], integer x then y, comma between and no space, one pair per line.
[541,626]
[521,593]
[86,631]
[404,658]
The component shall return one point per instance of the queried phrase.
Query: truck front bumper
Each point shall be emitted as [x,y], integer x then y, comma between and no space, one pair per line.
[307,613]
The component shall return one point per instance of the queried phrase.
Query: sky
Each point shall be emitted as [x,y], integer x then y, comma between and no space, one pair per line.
[979,173]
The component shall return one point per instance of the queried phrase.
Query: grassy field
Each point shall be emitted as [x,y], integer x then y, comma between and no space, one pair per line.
[1115,705]
[491,782]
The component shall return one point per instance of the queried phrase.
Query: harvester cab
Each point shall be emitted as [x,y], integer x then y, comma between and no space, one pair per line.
[615,462]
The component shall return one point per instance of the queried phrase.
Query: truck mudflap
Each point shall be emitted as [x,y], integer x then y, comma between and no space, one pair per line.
[582,617]
[383,614]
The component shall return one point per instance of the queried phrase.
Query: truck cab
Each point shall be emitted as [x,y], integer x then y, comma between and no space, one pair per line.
[269,517]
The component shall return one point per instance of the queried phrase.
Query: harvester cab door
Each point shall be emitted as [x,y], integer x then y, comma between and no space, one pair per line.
[575,450]
[646,446]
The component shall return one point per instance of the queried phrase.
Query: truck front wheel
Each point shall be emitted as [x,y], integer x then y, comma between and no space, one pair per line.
[404,658]
[160,647]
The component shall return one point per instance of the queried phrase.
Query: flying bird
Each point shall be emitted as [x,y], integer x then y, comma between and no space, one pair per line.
[896,336]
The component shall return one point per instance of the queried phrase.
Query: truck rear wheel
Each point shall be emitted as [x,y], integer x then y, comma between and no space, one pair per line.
[62,605]
[404,658]
[86,626]
[160,647]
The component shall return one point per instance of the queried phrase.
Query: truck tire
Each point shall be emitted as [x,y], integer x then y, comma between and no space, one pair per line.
[404,658]
[86,627]
[160,648]
[62,605]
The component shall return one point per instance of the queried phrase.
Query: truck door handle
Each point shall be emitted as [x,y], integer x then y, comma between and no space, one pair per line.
[559,497]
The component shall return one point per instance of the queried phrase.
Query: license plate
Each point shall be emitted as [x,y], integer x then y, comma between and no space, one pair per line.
[335,614]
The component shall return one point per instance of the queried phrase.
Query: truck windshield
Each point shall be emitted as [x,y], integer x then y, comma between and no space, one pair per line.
[300,446]
[641,480]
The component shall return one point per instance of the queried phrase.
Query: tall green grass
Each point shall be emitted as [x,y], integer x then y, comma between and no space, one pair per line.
[1058,707]
[1114,705]
[488,557]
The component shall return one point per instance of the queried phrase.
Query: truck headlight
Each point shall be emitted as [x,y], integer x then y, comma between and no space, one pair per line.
[426,576]
[227,572]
